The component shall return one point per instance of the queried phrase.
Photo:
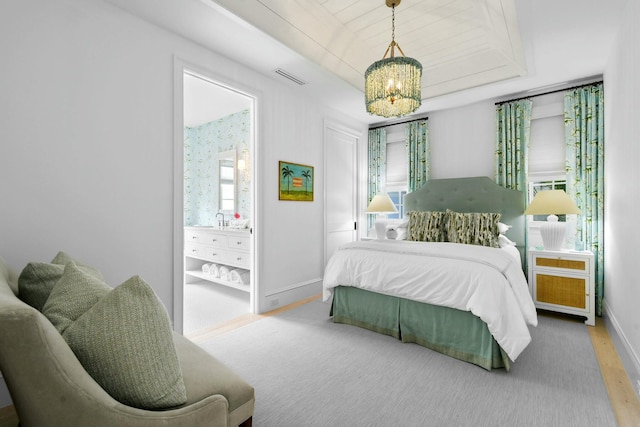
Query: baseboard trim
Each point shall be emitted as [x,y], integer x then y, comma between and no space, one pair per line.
[289,295]
[294,287]
[630,359]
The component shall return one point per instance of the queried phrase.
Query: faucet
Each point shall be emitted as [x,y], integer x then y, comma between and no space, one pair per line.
[220,222]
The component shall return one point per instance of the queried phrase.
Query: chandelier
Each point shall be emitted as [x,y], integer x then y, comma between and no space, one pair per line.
[392,85]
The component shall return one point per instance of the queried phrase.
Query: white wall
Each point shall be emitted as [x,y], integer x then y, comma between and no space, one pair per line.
[463,141]
[87,148]
[622,186]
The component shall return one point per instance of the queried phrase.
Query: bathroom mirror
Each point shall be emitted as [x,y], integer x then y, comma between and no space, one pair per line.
[227,181]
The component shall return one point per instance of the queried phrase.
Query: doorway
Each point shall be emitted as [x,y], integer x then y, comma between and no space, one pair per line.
[215,204]
[341,184]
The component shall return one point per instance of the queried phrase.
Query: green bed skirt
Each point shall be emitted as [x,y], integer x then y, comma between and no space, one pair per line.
[456,333]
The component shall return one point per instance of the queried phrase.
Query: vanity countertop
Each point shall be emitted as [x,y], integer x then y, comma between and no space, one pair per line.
[216,228]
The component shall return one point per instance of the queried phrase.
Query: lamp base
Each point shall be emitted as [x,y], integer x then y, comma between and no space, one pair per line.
[553,233]
[381,228]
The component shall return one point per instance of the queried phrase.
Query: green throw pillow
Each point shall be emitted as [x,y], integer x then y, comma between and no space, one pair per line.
[125,343]
[37,279]
[474,228]
[427,226]
[74,294]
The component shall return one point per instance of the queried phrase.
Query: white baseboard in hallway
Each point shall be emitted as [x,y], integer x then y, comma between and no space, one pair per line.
[208,305]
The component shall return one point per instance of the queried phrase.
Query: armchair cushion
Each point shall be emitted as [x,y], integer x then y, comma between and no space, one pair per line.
[74,294]
[37,279]
[122,337]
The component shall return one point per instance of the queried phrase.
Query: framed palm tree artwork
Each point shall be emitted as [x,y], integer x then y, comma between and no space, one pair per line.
[295,182]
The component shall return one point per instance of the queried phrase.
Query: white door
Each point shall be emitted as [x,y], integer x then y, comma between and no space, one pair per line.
[340,186]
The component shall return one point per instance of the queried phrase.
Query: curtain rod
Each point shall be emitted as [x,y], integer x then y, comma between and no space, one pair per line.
[397,123]
[550,92]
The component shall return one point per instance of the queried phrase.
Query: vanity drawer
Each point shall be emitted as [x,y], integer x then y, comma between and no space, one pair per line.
[205,238]
[237,258]
[206,252]
[240,243]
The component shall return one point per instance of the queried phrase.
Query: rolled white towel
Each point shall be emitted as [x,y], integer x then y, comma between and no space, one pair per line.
[206,268]
[239,276]
[224,273]
[214,270]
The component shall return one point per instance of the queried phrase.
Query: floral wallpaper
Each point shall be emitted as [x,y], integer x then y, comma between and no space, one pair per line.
[202,146]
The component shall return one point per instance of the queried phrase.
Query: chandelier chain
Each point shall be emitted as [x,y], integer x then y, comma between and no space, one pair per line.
[393,23]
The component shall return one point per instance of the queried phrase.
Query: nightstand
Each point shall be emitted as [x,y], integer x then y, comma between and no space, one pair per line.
[563,281]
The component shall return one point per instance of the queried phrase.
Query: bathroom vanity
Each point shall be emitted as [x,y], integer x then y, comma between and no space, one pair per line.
[206,248]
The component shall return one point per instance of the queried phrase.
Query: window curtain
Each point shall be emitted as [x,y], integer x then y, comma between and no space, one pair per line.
[513,129]
[418,153]
[584,135]
[377,169]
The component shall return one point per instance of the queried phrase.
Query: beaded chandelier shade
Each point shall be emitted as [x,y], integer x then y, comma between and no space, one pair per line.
[392,85]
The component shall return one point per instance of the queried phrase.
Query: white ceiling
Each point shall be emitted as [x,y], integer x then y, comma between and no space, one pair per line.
[461,43]
[471,50]
[205,101]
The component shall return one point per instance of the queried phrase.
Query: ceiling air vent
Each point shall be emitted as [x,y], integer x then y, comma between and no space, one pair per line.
[290,76]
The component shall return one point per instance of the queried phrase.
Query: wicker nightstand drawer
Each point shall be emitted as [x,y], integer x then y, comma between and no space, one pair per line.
[563,263]
[567,291]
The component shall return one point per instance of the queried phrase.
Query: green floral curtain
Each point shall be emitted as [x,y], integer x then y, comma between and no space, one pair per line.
[377,170]
[513,128]
[584,135]
[419,154]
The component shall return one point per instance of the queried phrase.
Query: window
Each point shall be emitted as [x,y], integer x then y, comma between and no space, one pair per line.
[546,154]
[227,188]
[397,197]
[396,178]
[549,184]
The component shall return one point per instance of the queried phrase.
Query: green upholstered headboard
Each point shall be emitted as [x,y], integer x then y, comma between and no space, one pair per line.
[475,194]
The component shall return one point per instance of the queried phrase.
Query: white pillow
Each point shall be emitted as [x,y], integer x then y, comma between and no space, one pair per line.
[503,228]
[504,241]
[402,233]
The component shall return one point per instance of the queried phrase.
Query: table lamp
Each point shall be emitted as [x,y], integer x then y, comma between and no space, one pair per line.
[552,203]
[381,204]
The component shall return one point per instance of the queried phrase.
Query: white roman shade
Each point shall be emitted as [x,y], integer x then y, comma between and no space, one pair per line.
[396,158]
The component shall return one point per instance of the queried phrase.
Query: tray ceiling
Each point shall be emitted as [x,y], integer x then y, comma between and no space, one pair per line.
[460,43]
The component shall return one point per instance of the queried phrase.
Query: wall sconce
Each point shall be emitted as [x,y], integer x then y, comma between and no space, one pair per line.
[243,165]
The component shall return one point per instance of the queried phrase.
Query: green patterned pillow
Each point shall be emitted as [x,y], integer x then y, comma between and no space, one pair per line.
[125,343]
[37,279]
[473,228]
[74,294]
[427,226]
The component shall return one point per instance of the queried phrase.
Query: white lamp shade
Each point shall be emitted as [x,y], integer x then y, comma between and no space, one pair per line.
[381,204]
[552,203]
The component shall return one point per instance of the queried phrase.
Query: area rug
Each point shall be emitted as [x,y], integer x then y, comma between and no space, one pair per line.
[308,371]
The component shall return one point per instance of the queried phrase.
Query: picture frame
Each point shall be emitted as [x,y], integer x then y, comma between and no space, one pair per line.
[295,182]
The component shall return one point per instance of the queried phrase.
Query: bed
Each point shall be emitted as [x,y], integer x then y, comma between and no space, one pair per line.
[468,301]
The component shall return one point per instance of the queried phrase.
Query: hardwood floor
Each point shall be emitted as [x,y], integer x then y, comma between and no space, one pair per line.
[624,401]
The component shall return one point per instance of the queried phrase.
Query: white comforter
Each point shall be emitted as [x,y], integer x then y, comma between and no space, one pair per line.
[488,282]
